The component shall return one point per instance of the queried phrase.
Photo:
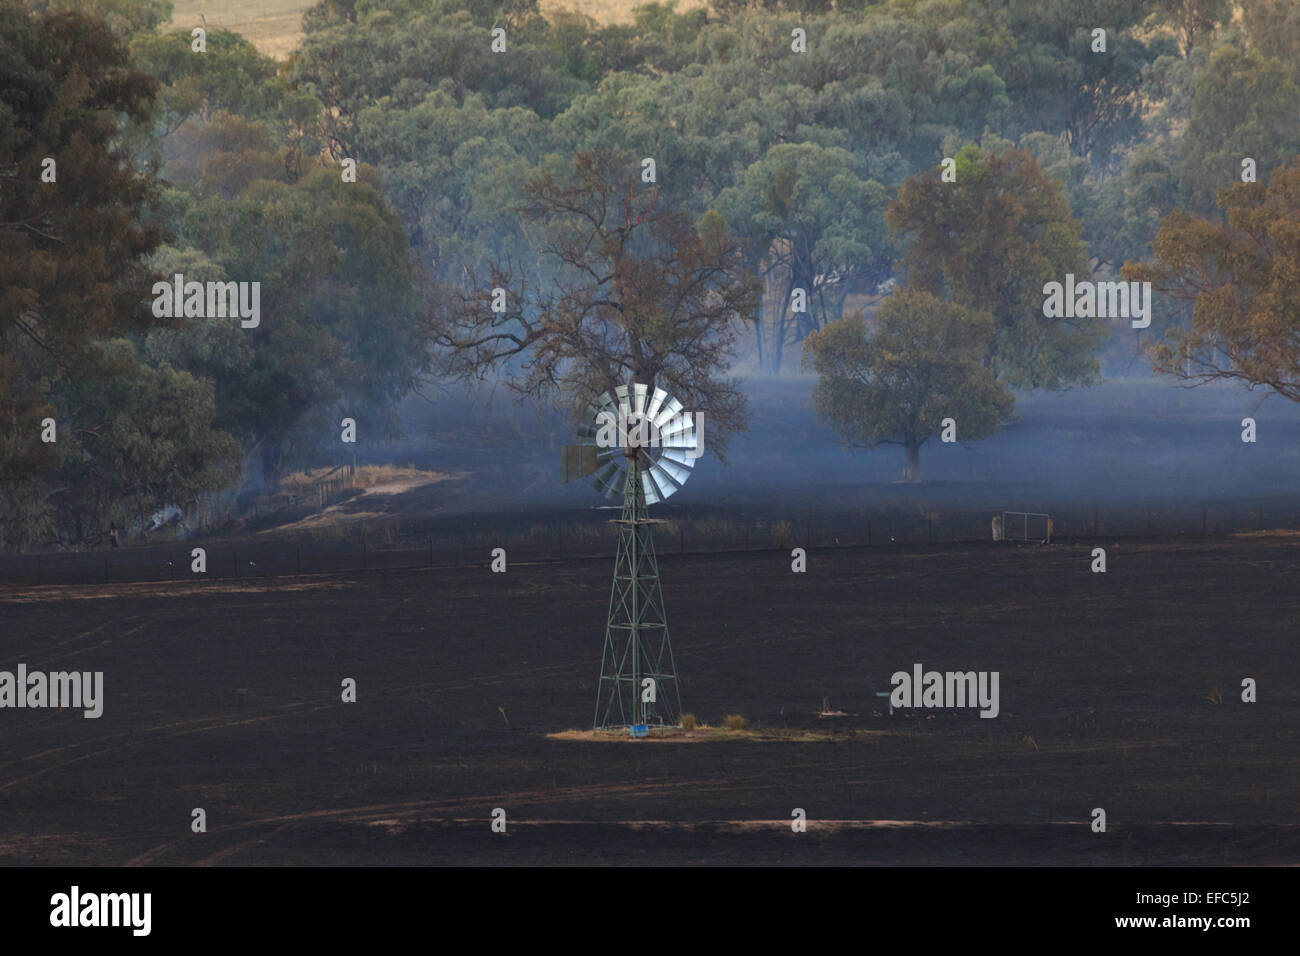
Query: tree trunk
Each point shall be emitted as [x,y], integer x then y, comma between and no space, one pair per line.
[271,464]
[841,296]
[912,472]
[778,339]
[757,265]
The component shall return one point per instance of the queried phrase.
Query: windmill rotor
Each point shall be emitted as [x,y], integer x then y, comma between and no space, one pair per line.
[638,423]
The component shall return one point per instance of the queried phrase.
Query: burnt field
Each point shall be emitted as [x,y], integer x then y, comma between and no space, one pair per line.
[1119,690]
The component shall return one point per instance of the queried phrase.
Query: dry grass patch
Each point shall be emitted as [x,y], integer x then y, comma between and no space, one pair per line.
[706,734]
[275,26]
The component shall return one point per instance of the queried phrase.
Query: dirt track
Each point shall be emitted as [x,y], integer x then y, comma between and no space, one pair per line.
[226,696]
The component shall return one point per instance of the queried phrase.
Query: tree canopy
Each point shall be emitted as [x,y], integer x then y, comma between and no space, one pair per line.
[1240,278]
[989,242]
[793,143]
[923,364]
[638,293]
[77,406]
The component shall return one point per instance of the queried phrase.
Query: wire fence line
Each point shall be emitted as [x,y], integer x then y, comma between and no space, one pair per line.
[564,540]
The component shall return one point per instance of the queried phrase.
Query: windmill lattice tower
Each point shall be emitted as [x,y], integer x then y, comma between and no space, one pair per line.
[637,646]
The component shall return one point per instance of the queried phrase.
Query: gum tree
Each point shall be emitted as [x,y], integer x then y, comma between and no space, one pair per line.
[341,326]
[1245,106]
[1239,276]
[74,273]
[895,384]
[809,214]
[988,242]
[622,289]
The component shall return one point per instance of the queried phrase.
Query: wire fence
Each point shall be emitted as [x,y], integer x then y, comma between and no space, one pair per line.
[393,547]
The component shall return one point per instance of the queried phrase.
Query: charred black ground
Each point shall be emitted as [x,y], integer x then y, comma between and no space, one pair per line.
[1118,690]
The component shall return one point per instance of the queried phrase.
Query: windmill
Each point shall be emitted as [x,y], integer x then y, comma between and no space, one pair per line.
[640,443]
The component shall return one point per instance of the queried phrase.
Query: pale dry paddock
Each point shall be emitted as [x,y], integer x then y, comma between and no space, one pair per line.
[275,26]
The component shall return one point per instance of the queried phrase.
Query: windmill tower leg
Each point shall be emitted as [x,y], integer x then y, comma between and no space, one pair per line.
[637,645]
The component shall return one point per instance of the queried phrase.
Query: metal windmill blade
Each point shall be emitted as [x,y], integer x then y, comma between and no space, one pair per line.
[663,463]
